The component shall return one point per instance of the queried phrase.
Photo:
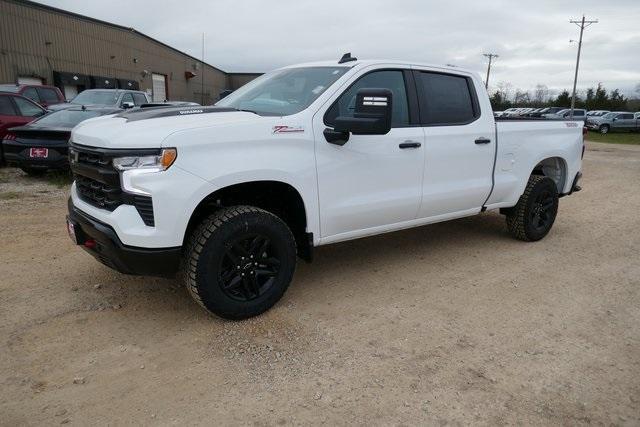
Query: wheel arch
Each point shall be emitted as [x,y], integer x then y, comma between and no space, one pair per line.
[555,168]
[275,196]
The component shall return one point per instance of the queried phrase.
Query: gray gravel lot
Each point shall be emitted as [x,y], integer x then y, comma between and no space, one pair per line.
[454,323]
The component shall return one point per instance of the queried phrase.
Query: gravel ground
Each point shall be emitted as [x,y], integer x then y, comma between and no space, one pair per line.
[453,323]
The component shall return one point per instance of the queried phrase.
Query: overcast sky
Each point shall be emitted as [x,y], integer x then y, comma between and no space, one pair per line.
[531,37]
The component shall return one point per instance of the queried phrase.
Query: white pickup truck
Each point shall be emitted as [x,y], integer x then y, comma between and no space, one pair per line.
[229,196]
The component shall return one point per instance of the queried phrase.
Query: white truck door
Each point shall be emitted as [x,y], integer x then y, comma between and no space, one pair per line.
[370,181]
[459,143]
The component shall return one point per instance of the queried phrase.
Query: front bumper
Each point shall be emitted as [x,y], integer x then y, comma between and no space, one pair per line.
[102,242]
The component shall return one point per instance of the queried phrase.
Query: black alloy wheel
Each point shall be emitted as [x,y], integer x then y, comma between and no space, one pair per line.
[248,268]
[541,213]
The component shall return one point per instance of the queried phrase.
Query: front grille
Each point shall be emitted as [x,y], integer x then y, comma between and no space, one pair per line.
[144,205]
[97,193]
[98,183]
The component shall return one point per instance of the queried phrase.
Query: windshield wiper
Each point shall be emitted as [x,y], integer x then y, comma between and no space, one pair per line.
[247,111]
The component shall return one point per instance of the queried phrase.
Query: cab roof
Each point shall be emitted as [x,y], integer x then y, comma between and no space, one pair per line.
[367,62]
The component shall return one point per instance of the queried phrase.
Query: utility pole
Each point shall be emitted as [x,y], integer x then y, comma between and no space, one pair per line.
[582,24]
[202,74]
[490,56]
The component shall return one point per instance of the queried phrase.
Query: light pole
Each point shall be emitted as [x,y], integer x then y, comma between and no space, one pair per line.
[582,24]
[490,56]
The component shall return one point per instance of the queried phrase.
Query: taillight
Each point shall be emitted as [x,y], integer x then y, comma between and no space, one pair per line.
[10,137]
[584,131]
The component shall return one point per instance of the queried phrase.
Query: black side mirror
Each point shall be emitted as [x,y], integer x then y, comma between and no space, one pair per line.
[372,115]
[224,94]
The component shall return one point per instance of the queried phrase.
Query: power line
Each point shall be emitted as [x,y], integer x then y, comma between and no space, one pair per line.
[582,24]
[490,56]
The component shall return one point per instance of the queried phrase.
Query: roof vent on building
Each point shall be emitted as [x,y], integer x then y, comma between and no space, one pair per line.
[347,58]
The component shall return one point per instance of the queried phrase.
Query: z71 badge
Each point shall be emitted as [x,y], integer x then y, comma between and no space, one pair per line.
[288,129]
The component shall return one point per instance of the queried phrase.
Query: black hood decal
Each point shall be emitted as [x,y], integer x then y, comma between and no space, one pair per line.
[154,113]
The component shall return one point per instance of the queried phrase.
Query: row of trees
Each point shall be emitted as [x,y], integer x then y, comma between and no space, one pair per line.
[596,98]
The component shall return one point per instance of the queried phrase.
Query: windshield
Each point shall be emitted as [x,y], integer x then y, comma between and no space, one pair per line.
[96,97]
[283,92]
[66,118]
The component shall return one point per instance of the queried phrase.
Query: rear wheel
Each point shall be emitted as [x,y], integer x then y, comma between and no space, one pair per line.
[239,262]
[534,215]
[604,129]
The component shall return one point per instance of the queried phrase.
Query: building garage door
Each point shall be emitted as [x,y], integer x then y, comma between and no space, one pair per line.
[159,87]
[29,81]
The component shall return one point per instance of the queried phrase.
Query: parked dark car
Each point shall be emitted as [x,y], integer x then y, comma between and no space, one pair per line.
[43,144]
[45,96]
[16,110]
[112,98]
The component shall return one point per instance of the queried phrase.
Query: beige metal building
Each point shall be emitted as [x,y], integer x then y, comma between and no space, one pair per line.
[45,45]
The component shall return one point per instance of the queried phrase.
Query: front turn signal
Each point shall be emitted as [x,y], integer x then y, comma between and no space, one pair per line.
[168,156]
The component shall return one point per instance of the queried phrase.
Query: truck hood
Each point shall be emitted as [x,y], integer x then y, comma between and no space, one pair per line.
[148,128]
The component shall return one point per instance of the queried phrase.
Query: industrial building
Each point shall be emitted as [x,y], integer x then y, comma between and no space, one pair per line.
[45,45]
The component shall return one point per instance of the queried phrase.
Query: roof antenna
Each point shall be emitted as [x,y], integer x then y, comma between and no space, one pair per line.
[347,58]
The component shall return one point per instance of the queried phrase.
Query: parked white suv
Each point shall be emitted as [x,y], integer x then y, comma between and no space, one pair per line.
[304,156]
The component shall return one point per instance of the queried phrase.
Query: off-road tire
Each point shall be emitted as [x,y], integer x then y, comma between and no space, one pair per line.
[520,218]
[603,129]
[212,240]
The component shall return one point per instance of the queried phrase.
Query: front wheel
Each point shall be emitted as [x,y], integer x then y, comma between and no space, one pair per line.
[604,129]
[239,262]
[533,216]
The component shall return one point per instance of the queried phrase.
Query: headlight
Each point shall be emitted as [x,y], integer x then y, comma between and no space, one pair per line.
[132,167]
[155,163]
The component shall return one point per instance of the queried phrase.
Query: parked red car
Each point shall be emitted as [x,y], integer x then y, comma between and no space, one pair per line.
[42,95]
[16,110]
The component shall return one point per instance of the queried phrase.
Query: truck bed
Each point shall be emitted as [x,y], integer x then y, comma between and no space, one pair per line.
[524,142]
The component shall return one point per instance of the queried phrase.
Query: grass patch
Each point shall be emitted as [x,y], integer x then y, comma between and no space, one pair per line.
[10,195]
[632,138]
[59,178]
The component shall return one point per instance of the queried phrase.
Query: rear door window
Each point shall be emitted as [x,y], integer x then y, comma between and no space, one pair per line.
[48,95]
[446,99]
[32,94]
